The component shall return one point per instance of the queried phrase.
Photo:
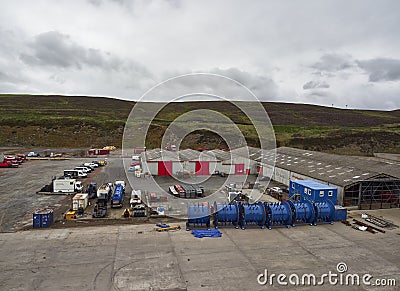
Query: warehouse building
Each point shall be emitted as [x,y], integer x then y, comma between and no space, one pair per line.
[365,183]
[233,164]
[159,162]
[242,161]
[199,163]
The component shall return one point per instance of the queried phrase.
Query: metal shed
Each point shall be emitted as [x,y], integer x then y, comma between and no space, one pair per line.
[201,163]
[247,163]
[361,182]
[158,162]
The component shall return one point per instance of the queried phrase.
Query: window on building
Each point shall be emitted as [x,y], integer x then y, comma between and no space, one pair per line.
[321,193]
[330,193]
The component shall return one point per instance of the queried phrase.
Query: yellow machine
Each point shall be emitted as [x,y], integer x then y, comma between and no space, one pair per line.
[126,213]
[165,227]
[103,163]
[70,215]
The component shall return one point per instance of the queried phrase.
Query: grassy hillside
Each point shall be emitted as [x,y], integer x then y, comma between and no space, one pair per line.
[62,121]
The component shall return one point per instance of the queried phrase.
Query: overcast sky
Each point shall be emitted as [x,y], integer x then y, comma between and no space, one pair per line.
[318,52]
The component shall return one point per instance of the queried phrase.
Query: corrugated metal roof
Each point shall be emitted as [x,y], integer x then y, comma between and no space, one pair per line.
[220,155]
[158,154]
[331,168]
[193,155]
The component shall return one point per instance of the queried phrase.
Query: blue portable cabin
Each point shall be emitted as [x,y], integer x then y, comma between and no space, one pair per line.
[43,218]
[301,190]
[118,196]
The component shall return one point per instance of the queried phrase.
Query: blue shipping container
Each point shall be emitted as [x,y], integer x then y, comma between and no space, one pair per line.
[43,218]
[301,190]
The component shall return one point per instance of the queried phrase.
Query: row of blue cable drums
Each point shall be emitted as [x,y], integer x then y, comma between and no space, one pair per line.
[282,214]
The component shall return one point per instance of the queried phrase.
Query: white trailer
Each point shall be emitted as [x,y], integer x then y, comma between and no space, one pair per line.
[80,200]
[67,186]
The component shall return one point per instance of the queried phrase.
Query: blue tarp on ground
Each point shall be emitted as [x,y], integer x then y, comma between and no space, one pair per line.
[199,233]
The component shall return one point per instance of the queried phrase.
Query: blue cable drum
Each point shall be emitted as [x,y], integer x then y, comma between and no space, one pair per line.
[253,214]
[226,214]
[324,212]
[198,215]
[279,214]
[303,212]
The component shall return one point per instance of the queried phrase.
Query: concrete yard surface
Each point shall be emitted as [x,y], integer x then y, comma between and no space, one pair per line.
[136,257]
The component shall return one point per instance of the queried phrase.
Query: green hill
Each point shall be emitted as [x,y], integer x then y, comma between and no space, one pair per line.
[79,121]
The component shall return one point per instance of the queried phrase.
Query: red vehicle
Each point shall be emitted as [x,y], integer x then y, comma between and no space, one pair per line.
[22,157]
[5,164]
[12,160]
[180,190]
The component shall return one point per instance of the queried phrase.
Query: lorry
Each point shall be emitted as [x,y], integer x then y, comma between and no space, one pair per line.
[92,190]
[67,185]
[104,190]
[117,200]
[136,198]
[100,208]
[75,174]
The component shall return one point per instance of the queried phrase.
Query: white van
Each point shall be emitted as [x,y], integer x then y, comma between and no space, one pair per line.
[75,173]
[83,169]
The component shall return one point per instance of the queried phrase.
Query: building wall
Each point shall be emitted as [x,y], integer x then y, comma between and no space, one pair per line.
[227,168]
[282,176]
[214,166]
[267,170]
[152,167]
[177,167]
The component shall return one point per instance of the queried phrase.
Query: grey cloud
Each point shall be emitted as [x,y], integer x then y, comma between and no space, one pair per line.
[381,69]
[333,63]
[96,2]
[262,86]
[59,50]
[315,85]
[55,49]
[4,77]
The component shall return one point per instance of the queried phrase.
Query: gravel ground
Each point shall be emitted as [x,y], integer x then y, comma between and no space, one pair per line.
[19,199]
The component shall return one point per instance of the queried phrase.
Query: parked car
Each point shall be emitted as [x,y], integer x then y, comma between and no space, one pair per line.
[91,165]
[84,169]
